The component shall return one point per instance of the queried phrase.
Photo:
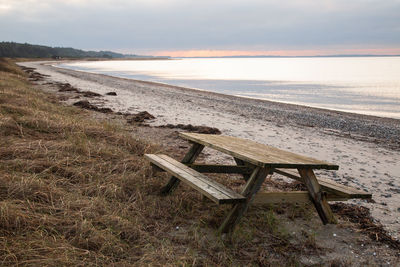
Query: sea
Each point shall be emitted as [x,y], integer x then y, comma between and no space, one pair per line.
[365,85]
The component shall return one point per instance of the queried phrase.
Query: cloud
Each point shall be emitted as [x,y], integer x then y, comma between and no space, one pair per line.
[164,25]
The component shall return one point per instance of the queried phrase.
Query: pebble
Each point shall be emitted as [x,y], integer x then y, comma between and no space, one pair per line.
[396,190]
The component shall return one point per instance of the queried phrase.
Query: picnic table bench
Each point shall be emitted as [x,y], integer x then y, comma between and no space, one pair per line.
[254,161]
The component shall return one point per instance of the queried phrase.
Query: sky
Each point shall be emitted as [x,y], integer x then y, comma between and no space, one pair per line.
[207,27]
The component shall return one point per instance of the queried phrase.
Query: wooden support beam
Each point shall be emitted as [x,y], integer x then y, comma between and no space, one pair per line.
[289,174]
[190,157]
[156,168]
[317,196]
[207,168]
[251,188]
[281,197]
[289,197]
[239,162]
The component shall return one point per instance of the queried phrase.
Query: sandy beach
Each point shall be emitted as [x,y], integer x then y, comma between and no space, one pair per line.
[366,148]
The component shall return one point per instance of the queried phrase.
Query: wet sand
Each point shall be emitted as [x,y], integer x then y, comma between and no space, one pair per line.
[366,148]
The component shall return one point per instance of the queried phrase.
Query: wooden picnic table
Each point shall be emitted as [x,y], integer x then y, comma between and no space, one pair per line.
[254,161]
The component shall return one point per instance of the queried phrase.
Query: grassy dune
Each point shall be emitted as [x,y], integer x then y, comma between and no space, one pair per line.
[71,188]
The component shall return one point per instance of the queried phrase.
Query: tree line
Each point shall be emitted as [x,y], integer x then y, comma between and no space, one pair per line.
[13,50]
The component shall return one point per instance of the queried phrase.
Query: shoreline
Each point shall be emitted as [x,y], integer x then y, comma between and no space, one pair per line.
[364,146]
[238,97]
[370,128]
[373,95]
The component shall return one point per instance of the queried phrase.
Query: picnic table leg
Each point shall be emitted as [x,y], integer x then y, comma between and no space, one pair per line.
[251,188]
[190,157]
[317,196]
[240,162]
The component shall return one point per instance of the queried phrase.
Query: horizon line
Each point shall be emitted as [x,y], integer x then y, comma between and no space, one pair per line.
[278,53]
[278,56]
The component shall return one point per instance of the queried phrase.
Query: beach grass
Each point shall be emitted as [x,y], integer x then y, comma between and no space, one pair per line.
[67,183]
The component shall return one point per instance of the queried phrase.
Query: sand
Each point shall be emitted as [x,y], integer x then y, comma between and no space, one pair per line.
[366,148]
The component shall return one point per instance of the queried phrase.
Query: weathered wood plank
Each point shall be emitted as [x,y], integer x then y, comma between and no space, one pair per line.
[190,157]
[247,146]
[204,178]
[289,197]
[257,154]
[213,190]
[317,196]
[330,186]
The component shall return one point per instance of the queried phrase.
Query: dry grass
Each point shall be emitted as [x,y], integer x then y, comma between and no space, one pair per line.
[74,191]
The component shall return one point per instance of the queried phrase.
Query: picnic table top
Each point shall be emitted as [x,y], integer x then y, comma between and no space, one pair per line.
[255,153]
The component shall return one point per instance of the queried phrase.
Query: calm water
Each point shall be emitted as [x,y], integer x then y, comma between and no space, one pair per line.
[366,85]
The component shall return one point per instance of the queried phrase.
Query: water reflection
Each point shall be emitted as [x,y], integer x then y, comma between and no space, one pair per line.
[367,85]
